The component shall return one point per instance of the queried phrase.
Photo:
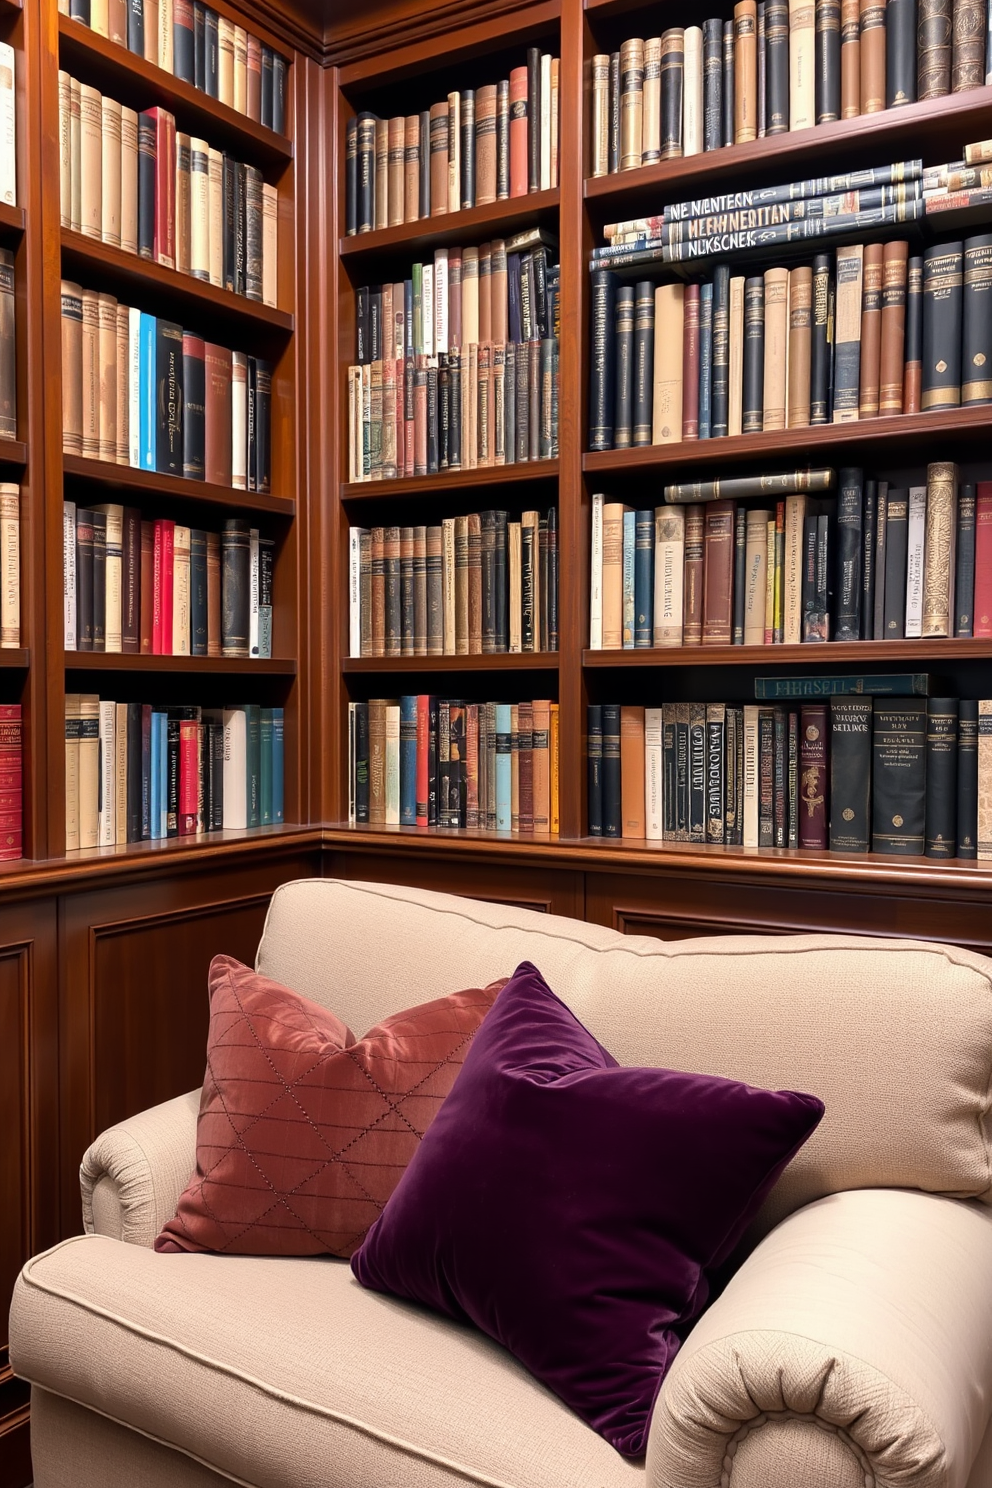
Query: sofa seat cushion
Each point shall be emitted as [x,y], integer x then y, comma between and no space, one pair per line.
[285,1373]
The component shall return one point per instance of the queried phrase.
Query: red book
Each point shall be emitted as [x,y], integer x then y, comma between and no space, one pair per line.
[147,589]
[983,558]
[11,810]
[217,415]
[164,241]
[718,573]
[692,624]
[518,132]
[157,550]
[690,363]
[814,773]
[423,747]
[189,776]
[162,588]
[131,582]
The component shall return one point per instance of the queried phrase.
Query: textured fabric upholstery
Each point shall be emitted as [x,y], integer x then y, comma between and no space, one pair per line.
[132,1175]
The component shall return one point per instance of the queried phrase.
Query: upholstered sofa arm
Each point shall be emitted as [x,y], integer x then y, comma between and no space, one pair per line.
[132,1175]
[853,1346]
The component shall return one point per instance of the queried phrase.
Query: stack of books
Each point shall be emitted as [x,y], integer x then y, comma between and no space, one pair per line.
[423,761]
[139,772]
[479,145]
[457,367]
[131,181]
[8,125]
[141,391]
[11,779]
[8,347]
[896,772]
[157,588]
[199,46]
[777,66]
[869,561]
[470,586]
[10,566]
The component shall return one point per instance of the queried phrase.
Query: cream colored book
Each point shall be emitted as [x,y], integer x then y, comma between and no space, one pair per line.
[123,385]
[392,765]
[8,125]
[802,64]
[545,123]
[461,586]
[667,401]
[65,149]
[180,592]
[735,356]
[514,550]
[10,566]
[776,377]
[613,575]
[454,162]
[692,94]
[596,574]
[241,69]
[107,784]
[755,577]
[448,585]
[631,103]
[134,386]
[939,552]
[669,569]
[470,301]
[770,576]
[199,209]
[183,203]
[91,374]
[120,775]
[225,60]
[651,120]
[270,245]
[72,722]
[129,180]
[107,373]
[89,770]
[100,17]
[239,420]
[235,768]
[215,213]
[114,575]
[600,143]
[110,131]
[90,162]
[166,54]
[75,154]
[555,117]
[795,516]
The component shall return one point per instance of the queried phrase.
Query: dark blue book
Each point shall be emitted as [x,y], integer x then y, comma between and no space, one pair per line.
[513,317]
[199,45]
[184,43]
[169,397]
[79,10]
[594,757]
[136,27]
[278,93]
[408,761]
[644,579]
[198,592]
[720,353]
[705,360]
[211,83]
[360,764]
[602,361]
[266,110]
[612,814]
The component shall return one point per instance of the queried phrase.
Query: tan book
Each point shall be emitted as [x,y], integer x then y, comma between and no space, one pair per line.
[692,575]
[755,576]
[215,215]
[631,102]
[439,160]
[669,562]
[613,576]
[166,34]
[871,331]
[473,407]
[792,577]
[181,591]
[149,9]
[107,371]
[90,162]
[542,765]
[498,294]
[76,153]
[183,204]
[632,772]
[381,193]
[123,385]
[454,152]
[270,245]
[240,69]
[377,761]
[65,149]
[667,399]
[470,298]
[72,368]
[871,17]
[850,59]
[99,11]
[735,356]
[800,344]
[939,548]
[474,525]
[847,332]
[411,168]
[692,93]
[600,142]
[651,119]
[129,180]
[225,60]
[770,578]
[10,566]
[113,630]
[396,170]
[745,71]
[72,772]
[449,570]
[485,144]
[515,612]
[776,348]
[895,265]
[89,770]
[802,64]
[91,374]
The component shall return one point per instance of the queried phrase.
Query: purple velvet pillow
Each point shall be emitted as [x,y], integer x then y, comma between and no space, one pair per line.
[572,1209]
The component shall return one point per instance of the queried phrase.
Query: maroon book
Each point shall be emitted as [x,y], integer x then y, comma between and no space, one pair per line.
[692,626]
[814,774]
[718,573]
[131,582]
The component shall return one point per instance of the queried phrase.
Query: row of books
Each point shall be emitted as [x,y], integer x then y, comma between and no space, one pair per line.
[156,588]
[141,391]
[470,586]
[194,43]
[11,782]
[425,761]
[778,66]
[457,366]
[478,145]
[8,125]
[901,776]
[864,332]
[135,772]
[872,562]
[132,181]
[10,566]
[8,347]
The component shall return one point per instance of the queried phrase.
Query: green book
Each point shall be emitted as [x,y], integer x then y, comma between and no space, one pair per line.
[896,684]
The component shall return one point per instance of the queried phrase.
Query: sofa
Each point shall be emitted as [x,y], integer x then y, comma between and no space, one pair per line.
[851,1349]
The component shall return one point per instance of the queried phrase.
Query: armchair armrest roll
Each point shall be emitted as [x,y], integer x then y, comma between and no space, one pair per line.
[853,1346]
[133,1174]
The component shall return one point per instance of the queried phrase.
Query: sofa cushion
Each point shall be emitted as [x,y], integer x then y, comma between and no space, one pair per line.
[859,1021]
[303,1133]
[284,1373]
[574,1210]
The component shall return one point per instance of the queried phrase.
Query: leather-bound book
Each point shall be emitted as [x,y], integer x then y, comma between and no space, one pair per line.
[964,564]
[721,351]
[454,152]
[599,147]
[976,322]
[194,401]
[90,161]
[217,415]
[766,777]
[406,591]
[850,59]
[745,71]
[895,259]
[728,104]
[474,535]
[72,364]
[800,337]
[697,772]
[613,131]
[693,575]
[184,204]
[123,446]
[968,41]
[91,374]
[631,102]
[84,580]
[967,802]
[872,24]
[235,592]
[424,155]
[669,340]
[775,349]
[632,772]
[827,86]
[705,380]
[485,145]
[850,773]
[718,573]
[690,362]
[871,331]
[821,340]
[762,79]
[847,349]
[435,591]
[777,44]
[110,172]
[643,361]
[382,170]
[623,341]
[533,118]
[518,133]
[146,591]
[411,168]
[933,57]
[753,372]
[392,592]
[814,776]
[848,587]
[941,778]
[912,387]
[802,64]
[938,569]
[254,65]
[366,172]
[164,240]
[718,788]
[612,816]
[672,91]
[439,159]
[893,555]
[735,354]
[942,305]
[541,764]
[669,574]
[467,184]
[900,53]
[594,769]
[396,170]
[712,84]
[899,759]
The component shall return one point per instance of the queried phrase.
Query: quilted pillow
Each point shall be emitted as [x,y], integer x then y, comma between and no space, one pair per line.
[304,1132]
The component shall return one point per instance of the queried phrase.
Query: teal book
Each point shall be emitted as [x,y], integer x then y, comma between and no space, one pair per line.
[147,405]
[265,757]
[155,775]
[408,761]
[503,748]
[895,684]
[644,579]
[253,763]
[278,764]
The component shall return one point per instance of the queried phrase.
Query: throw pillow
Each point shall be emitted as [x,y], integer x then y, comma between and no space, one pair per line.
[303,1133]
[573,1210]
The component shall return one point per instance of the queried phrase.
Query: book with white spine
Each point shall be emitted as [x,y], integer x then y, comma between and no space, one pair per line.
[544,179]
[10,566]
[114,563]
[8,127]
[253,591]
[653,775]
[134,386]
[751,783]
[440,301]
[354,591]
[235,768]
[69,575]
[215,215]
[692,96]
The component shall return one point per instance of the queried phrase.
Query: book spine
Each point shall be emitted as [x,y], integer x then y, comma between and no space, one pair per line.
[672,91]
[938,573]
[898,777]
[692,632]
[900,53]
[827,29]
[850,59]
[942,311]
[777,44]
[941,774]
[850,773]
[847,346]
[968,40]
[967,799]
[896,554]
[623,344]
[934,27]
[754,355]
[964,586]
[745,71]
[729,100]
[976,349]
[912,391]
[690,362]
[602,362]
[712,85]
[872,27]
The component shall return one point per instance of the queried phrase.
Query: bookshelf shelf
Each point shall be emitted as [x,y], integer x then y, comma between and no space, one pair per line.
[138,483]
[807,656]
[221,666]
[132,80]
[450,480]
[98,266]
[529,661]
[13,454]
[11,219]
[503,218]
[948,430]
[15,660]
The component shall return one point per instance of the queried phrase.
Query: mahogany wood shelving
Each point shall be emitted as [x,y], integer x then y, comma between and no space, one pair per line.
[11,221]
[525,661]
[504,218]
[12,659]
[202,666]
[935,649]
[451,480]
[13,454]
[138,483]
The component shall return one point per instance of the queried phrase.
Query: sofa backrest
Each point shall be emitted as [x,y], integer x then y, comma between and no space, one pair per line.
[895,1036]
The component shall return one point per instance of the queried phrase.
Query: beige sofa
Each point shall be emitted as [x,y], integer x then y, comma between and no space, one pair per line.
[853,1349]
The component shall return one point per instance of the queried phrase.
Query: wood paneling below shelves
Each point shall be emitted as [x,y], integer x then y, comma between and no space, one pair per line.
[525,661]
[222,666]
[127,478]
[503,218]
[911,653]
[451,480]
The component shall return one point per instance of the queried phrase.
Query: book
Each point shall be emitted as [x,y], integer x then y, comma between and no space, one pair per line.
[898,779]
[941,775]
[850,773]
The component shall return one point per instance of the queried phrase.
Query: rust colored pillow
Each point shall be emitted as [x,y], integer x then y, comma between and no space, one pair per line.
[304,1132]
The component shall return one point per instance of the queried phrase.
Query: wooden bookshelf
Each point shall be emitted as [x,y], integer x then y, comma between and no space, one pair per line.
[933,651]
[137,484]
[11,223]
[194,666]
[480,479]
[498,218]
[13,454]
[17,660]
[527,661]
